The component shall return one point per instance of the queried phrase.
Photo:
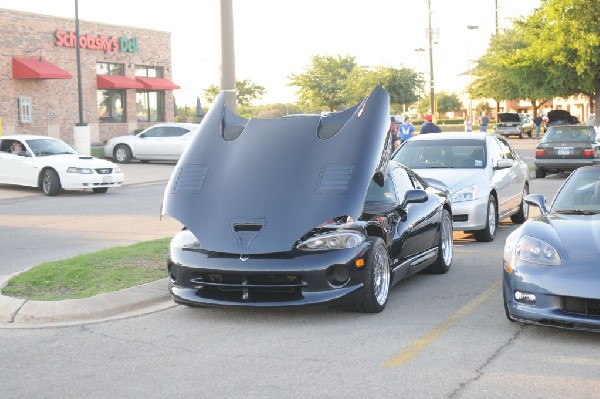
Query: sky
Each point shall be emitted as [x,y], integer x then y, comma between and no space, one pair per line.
[277,38]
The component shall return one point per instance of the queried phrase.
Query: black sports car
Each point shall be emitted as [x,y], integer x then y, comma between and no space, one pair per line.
[551,273]
[301,210]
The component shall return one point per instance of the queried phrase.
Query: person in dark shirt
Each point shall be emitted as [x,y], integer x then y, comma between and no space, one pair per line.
[537,121]
[428,126]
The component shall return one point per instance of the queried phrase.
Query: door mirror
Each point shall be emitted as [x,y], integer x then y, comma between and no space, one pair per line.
[414,197]
[504,163]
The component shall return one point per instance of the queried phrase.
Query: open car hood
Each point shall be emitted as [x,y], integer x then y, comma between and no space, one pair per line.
[559,115]
[258,186]
[508,117]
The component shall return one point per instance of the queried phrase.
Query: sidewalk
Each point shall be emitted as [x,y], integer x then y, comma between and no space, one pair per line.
[130,302]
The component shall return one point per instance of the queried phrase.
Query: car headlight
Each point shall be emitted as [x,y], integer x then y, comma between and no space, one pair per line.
[185,239]
[469,193]
[534,250]
[85,171]
[333,240]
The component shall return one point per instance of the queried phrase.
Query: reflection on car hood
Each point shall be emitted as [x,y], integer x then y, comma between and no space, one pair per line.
[78,160]
[508,117]
[452,178]
[579,234]
[257,186]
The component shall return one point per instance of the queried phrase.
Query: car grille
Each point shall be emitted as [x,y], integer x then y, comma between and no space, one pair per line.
[103,171]
[590,307]
[238,287]
[460,218]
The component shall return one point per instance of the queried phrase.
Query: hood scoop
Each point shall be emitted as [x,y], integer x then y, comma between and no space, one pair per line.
[246,231]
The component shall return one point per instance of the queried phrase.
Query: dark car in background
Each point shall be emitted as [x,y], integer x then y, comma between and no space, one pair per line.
[565,148]
[560,117]
[551,273]
[302,210]
[514,124]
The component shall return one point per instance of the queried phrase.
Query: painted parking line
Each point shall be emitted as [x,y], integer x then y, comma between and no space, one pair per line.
[417,346]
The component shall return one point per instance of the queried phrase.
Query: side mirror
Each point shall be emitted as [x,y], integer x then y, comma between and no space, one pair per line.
[414,197]
[141,135]
[504,163]
[537,200]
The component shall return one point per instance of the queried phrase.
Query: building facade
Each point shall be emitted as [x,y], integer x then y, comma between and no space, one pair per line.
[125,77]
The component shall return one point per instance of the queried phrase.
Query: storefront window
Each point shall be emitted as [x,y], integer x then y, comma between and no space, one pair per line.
[107,68]
[150,106]
[111,106]
[145,71]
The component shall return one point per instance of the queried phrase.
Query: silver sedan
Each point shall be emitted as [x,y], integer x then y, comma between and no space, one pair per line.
[486,177]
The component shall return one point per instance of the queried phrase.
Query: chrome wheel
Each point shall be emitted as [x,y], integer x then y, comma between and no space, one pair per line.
[492,218]
[381,276]
[447,239]
[524,204]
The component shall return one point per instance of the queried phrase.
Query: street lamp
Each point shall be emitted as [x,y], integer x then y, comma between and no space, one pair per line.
[470,27]
[431,80]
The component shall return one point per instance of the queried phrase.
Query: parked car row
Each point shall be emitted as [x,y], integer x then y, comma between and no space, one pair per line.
[267,226]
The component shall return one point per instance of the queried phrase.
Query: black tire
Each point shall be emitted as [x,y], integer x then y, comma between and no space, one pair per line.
[122,154]
[488,233]
[50,182]
[444,256]
[377,278]
[540,173]
[521,216]
[100,190]
[521,134]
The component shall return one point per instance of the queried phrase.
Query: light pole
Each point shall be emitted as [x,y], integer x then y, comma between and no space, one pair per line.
[81,131]
[227,54]
[470,27]
[420,51]
[431,80]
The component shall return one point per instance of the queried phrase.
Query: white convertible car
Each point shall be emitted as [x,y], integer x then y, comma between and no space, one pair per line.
[49,163]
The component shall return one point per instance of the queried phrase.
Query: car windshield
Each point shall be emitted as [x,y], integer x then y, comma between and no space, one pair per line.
[381,195]
[46,147]
[455,153]
[580,193]
[569,133]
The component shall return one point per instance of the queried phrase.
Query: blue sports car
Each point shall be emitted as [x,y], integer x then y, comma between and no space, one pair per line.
[551,262]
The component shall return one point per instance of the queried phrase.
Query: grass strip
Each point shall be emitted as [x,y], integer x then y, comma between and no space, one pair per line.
[91,274]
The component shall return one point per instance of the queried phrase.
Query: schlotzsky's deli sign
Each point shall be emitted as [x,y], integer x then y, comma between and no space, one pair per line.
[99,42]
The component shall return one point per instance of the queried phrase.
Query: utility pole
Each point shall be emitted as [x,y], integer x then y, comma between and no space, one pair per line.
[81,131]
[496,17]
[227,54]
[431,81]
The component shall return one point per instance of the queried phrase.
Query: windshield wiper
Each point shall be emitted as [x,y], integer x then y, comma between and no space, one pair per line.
[576,212]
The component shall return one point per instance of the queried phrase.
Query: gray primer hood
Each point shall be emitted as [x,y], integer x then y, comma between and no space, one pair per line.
[257,186]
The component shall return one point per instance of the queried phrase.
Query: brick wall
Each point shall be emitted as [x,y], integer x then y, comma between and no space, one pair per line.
[55,105]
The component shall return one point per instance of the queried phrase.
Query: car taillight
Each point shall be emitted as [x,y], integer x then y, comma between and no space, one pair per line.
[540,153]
[588,152]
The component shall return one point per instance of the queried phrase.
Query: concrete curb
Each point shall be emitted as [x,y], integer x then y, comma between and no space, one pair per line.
[130,302]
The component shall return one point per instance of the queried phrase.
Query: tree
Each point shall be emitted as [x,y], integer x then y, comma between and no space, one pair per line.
[324,81]
[447,102]
[401,84]
[568,45]
[246,92]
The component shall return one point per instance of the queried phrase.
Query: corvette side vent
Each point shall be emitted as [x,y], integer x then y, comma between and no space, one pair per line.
[334,178]
[190,179]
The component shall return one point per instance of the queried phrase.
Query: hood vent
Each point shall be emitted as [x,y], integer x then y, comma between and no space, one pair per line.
[190,179]
[334,178]
[246,231]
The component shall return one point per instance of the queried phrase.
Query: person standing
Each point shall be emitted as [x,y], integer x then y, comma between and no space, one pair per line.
[428,126]
[468,124]
[406,129]
[484,123]
[537,121]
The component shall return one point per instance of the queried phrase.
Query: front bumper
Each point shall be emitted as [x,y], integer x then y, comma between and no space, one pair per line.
[469,215]
[274,280]
[73,181]
[571,302]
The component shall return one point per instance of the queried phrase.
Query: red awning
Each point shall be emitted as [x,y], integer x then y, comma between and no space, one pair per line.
[34,68]
[157,84]
[117,82]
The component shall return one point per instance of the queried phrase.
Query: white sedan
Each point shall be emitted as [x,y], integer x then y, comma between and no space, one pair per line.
[49,163]
[161,142]
[487,179]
